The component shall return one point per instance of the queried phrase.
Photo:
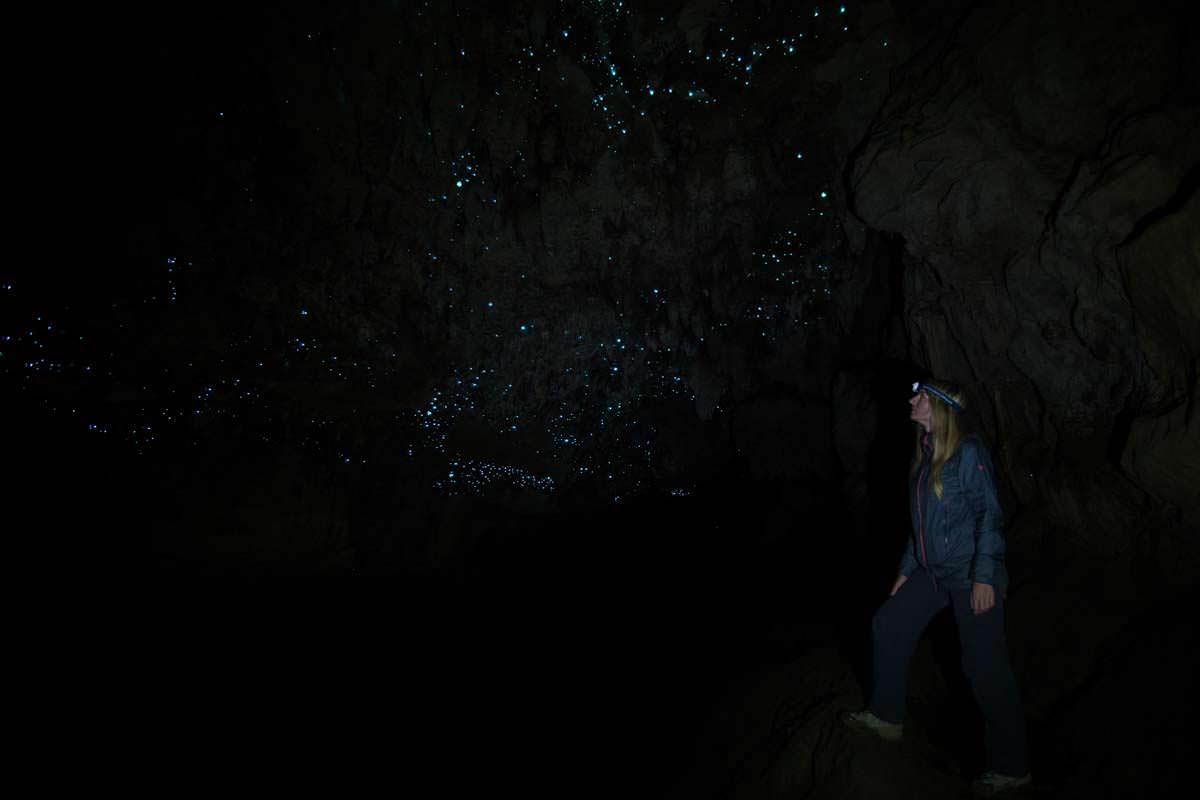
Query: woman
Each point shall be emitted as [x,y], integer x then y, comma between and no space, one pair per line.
[955,556]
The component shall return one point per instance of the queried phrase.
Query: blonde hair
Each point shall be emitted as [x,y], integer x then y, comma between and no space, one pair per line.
[946,429]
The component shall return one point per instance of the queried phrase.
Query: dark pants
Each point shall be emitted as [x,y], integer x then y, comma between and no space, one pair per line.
[898,625]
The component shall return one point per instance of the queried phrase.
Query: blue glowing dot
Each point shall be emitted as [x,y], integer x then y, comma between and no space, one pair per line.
[304,312]
[458,184]
[841,9]
[816,12]
[652,93]
[524,327]
[823,195]
[565,34]
[490,304]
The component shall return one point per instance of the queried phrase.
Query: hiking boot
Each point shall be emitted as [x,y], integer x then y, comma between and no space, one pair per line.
[865,720]
[992,783]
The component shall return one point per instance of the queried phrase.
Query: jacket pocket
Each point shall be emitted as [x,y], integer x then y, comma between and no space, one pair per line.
[958,535]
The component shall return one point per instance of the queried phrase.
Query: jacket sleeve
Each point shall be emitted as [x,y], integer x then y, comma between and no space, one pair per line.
[979,487]
[908,561]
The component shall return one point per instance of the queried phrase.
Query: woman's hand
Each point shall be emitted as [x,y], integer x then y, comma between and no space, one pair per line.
[983,597]
[896,586]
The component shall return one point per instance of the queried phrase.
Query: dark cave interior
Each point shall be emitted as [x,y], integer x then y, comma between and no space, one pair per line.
[530,379]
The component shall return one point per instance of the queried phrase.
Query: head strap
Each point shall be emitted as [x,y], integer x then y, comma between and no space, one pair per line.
[938,393]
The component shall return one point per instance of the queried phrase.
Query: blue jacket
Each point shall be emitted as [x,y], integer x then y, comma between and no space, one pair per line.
[959,539]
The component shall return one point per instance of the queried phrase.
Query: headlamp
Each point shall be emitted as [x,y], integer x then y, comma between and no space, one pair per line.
[938,393]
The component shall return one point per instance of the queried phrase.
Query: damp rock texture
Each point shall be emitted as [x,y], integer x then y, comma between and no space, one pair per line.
[1040,163]
[616,305]
[553,256]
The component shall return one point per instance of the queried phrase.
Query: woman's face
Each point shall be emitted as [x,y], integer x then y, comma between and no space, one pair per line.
[920,410]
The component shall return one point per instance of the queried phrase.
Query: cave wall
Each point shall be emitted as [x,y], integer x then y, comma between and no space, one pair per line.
[1040,163]
[480,251]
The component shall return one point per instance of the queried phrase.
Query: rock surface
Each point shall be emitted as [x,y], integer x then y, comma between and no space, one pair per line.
[582,248]
[1049,223]
[593,301]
